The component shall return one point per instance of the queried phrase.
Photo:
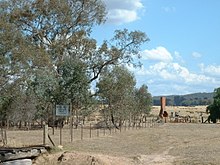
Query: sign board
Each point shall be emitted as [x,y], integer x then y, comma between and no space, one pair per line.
[62,110]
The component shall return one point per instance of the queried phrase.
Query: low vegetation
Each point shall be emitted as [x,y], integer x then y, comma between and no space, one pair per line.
[214,108]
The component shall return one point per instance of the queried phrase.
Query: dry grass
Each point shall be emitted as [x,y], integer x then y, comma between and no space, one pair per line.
[182,110]
[170,143]
[165,144]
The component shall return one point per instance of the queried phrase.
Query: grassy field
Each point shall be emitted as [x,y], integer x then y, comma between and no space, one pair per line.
[182,110]
[161,144]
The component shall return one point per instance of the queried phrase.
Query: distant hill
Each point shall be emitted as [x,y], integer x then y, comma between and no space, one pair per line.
[186,100]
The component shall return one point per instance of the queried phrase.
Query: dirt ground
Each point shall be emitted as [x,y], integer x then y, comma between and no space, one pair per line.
[167,144]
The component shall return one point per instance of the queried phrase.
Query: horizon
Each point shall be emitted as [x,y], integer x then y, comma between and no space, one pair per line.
[183,94]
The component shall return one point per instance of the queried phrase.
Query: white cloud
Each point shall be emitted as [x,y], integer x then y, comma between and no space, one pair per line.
[172,78]
[173,72]
[125,11]
[165,78]
[140,71]
[196,55]
[166,69]
[178,57]
[158,54]
[162,70]
[123,4]
[119,16]
[210,70]
[165,73]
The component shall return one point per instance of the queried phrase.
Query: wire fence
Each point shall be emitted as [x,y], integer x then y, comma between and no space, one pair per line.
[67,134]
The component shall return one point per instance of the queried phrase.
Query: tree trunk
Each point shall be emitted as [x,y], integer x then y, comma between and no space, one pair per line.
[113,120]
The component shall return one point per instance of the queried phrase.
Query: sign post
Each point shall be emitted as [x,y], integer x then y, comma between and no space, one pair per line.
[71,124]
[62,111]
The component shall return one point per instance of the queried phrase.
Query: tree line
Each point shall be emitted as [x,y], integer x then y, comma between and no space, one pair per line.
[186,100]
[48,57]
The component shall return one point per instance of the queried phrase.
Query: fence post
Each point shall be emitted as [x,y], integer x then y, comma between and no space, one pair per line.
[142,122]
[3,133]
[2,136]
[81,132]
[71,123]
[125,125]
[145,124]
[5,137]
[61,136]
[136,124]
[45,134]
[53,117]
[97,132]
[90,130]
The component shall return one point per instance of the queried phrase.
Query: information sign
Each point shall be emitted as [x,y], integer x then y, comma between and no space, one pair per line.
[62,110]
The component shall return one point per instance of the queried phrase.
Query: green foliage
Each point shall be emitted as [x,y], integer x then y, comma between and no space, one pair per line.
[143,100]
[123,101]
[214,108]
[4,104]
[74,85]
[121,49]
[46,50]
[115,89]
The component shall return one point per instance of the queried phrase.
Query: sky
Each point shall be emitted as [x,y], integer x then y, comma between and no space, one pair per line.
[183,54]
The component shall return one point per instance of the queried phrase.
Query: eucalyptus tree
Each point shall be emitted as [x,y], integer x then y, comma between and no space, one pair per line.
[59,28]
[17,55]
[23,108]
[121,49]
[74,86]
[115,88]
[143,102]
[63,28]
[37,37]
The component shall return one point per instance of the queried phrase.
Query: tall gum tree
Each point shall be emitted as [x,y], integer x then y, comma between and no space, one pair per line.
[44,33]
[37,36]
[62,28]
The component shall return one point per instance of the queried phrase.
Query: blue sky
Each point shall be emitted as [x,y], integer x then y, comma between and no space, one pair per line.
[183,54]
